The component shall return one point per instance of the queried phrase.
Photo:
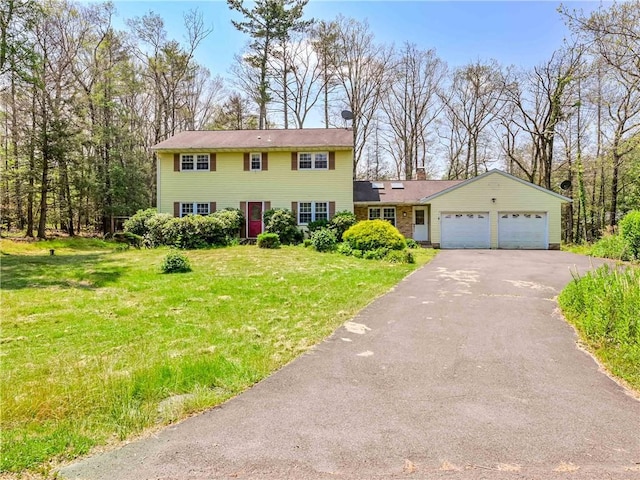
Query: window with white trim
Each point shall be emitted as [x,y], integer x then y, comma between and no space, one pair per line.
[383,213]
[312,211]
[256,162]
[313,161]
[190,162]
[197,208]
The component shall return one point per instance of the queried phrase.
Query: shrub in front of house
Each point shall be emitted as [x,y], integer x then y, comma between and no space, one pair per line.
[175,262]
[317,225]
[231,220]
[400,256]
[269,240]
[155,230]
[341,222]
[283,223]
[324,240]
[184,232]
[630,232]
[411,243]
[138,222]
[373,235]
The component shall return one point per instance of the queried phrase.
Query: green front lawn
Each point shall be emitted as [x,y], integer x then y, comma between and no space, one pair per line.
[93,340]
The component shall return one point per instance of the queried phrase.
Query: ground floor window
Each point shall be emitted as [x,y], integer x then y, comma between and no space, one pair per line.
[194,208]
[383,213]
[312,211]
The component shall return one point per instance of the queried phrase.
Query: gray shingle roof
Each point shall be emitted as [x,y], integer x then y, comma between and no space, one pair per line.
[339,139]
[412,192]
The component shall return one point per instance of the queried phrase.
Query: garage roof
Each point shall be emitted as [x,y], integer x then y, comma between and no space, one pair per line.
[428,198]
[334,138]
[390,192]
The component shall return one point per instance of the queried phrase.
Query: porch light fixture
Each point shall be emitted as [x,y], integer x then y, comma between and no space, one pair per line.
[493,200]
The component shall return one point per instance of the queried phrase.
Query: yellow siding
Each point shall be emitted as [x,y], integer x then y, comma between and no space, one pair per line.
[230,184]
[510,196]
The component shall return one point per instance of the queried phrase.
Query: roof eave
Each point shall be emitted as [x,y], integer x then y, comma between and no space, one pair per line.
[500,172]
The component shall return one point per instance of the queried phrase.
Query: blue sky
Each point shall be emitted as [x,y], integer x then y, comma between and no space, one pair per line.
[522,33]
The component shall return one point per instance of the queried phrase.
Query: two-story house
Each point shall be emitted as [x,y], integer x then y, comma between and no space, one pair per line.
[308,171]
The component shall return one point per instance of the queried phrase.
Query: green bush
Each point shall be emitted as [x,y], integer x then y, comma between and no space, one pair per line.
[344,249]
[175,262]
[341,222]
[376,254]
[411,243]
[129,238]
[231,221]
[155,230]
[324,240]
[184,232]
[283,223]
[630,232]
[137,223]
[269,240]
[371,235]
[306,242]
[611,246]
[317,225]
[399,256]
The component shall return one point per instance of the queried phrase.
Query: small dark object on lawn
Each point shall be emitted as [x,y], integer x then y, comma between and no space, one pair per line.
[52,252]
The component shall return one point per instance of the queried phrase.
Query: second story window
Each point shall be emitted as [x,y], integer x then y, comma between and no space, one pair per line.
[190,162]
[313,161]
[256,161]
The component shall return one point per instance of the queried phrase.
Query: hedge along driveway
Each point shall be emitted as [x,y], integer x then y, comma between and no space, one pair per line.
[96,341]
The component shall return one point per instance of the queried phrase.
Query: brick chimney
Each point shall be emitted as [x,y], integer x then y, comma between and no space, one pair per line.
[421,174]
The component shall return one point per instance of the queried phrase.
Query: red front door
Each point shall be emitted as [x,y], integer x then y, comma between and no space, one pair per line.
[255,219]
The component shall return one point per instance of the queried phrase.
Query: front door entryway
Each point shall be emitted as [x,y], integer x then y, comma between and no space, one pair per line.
[420,226]
[255,219]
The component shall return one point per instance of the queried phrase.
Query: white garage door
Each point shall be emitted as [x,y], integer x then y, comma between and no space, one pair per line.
[527,230]
[465,230]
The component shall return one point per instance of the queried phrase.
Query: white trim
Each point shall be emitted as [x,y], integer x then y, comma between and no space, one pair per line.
[313,211]
[491,172]
[195,162]
[313,160]
[381,217]
[194,206]
[425,209]
[251,169]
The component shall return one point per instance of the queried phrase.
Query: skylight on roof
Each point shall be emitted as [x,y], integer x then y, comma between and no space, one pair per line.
[397,185]
[377,185]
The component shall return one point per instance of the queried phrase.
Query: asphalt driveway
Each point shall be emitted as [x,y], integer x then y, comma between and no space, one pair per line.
[465,370]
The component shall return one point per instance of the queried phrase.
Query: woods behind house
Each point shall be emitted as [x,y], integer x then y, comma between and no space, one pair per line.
[82,102]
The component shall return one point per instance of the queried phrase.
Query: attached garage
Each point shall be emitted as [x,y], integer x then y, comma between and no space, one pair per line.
[465,230]
[525,230]
[496,210]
